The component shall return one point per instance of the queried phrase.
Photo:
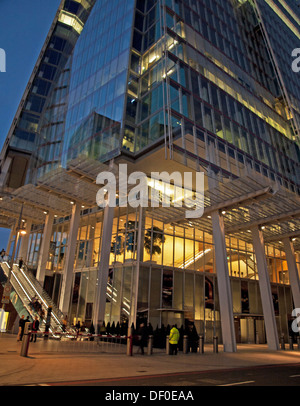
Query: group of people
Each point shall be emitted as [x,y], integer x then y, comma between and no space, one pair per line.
[36,305]
[173,338]
[4,257]
[34,328]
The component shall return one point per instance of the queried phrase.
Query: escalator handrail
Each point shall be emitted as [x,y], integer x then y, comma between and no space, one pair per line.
[54,320]
[42,295]
[19,288]
[41,291]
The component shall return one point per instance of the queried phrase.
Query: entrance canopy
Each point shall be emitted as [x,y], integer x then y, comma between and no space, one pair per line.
[244,202]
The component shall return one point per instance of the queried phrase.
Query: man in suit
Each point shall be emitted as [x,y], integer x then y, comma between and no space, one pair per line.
[35,328]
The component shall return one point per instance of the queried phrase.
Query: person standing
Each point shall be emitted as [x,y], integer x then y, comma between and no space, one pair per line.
[35,328]
[21,328]
[143,337]
[173,340]
[21,263]
[65,323]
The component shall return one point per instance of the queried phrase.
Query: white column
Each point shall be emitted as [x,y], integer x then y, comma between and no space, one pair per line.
[293,271]
[224,287]
[103,268]
[25,241]
[66,286]
[90,249]
[44,250]
[136,268]
[265,289]
[10,239]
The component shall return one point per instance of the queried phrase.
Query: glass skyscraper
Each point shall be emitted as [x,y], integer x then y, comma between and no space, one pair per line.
[163,86]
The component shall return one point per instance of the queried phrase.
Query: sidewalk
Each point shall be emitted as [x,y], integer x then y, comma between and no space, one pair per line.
[42,368]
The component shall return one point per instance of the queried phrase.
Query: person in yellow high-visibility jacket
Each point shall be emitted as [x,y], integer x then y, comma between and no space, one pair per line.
[173,340]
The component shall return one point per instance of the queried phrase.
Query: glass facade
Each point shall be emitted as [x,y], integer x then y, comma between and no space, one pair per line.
[182,69]
[177,276]
[24,134]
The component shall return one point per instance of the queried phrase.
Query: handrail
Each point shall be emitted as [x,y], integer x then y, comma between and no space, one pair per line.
[41,291]
[44,297]
[21,292]
[32,287]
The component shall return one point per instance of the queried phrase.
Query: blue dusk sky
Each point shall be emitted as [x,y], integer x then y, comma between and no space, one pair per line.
[24,25]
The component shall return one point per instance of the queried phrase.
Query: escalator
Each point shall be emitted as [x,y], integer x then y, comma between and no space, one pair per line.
[26,287]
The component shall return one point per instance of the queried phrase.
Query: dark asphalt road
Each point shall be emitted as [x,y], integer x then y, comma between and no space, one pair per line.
[270,375]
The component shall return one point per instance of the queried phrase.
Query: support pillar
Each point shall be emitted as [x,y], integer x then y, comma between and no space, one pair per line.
[25,241]
[136,268]
[44,250]
[10,239]
[103,269]
[66,286]
[89,255]
[224,287]
[293,271]
[265,289]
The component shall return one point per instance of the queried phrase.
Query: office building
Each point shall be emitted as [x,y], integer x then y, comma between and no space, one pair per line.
[163,86]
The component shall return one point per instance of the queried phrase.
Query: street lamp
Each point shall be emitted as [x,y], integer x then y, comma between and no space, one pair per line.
[22,232]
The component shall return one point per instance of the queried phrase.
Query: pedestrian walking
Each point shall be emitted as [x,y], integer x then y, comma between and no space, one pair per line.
[21,262]
[173,339]
[35,328]
[21,328]
[143,337]
[65,323]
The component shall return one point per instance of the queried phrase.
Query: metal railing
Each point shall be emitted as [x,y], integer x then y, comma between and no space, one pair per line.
[42,293]
[27,287]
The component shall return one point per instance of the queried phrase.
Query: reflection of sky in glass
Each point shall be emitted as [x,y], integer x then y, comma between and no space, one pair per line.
[280,33]
[98,78]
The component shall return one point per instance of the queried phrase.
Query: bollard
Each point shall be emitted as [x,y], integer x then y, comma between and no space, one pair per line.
[167,345]
[130,342]
[150,345]
[282,343]
[201,345]
[291,343]
[26,339]
[216,350]
[185,344]
[298,342]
